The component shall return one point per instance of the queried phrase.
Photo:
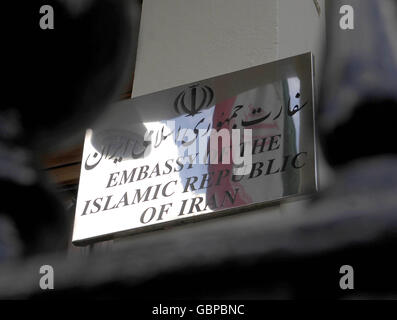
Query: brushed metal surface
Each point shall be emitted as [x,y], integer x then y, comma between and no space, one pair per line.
[125,190]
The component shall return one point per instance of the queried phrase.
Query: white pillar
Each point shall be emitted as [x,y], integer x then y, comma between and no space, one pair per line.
[183,41]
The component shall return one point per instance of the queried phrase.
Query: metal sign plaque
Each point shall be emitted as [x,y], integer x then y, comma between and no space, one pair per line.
[215,146]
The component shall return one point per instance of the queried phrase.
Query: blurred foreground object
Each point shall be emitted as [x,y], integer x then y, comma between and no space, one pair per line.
[359,92]
[252,255]
[57,81]
[70,73]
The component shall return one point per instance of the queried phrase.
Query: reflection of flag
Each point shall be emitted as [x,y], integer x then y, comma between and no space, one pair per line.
[222,112]
[263,111]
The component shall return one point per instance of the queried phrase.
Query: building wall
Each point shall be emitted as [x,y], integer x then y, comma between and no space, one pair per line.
[183,41]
